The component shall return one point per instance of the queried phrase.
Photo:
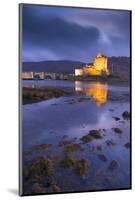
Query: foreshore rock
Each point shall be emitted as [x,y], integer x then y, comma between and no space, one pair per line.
[117,130]
[126,115]
[34,95]
[93,134]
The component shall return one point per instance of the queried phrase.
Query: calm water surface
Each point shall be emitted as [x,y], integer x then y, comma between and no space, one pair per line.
[47,122]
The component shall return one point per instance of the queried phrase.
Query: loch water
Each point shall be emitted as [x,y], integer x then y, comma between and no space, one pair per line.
[92,105]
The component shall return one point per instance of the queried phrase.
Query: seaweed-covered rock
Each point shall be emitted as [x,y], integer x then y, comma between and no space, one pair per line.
[102,157]
[72,147]
[42,166]
[93,134]
[39,167]
[33,95]
[126,115]
[67,161]
[117,130]
[113,165]
[64,142]
[81,167]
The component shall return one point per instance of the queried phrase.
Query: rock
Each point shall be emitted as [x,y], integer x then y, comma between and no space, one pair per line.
[64,142]
[72,147]
[67,161]
[113,165]
[33,95]
[81,167]
[116,118]
[110,142]
[127,145]
[117,130]
[102,157]
[39,167]
[93,134]
[126,115]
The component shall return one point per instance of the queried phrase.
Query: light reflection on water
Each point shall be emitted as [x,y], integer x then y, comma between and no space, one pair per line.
[48,121]
[98,91]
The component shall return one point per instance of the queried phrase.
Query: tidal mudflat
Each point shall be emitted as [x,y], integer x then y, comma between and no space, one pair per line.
[79,141]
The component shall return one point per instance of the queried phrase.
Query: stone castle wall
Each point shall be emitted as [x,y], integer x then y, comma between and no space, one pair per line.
[98,67]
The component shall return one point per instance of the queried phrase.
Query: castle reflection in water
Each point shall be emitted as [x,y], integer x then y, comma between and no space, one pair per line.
[96,90]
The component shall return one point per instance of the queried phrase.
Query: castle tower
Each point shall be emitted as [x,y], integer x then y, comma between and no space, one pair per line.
[98,67]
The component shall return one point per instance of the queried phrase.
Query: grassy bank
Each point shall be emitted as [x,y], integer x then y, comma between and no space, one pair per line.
[33,95]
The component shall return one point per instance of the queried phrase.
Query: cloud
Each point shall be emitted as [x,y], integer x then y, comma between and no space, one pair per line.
[75,34]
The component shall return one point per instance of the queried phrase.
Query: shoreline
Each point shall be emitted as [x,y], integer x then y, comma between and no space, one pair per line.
[110,80]
[35,95]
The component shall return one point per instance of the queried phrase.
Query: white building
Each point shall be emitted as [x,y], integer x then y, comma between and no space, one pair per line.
[78,72]
[27,75]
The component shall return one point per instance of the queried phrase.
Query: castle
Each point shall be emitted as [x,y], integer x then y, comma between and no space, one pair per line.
[98,67]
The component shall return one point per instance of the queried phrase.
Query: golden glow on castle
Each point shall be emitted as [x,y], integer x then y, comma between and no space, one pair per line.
[99,67]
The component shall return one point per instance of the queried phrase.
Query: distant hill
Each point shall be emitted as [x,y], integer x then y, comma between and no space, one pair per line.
[60,66]
[117,65]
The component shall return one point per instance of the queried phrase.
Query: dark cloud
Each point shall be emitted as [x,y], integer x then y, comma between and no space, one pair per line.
[73,35]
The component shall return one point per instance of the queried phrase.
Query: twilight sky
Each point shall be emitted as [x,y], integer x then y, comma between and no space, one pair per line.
[56,33]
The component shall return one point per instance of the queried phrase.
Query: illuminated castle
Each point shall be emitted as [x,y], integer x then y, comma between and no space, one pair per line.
[99,67]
